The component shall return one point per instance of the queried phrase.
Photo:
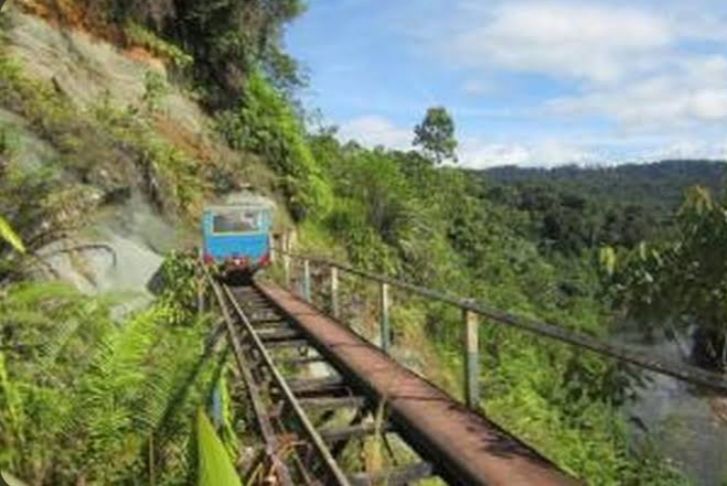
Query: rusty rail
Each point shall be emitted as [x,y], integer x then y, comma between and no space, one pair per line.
[307,416]
[334,472]
[459,445]
[272,446]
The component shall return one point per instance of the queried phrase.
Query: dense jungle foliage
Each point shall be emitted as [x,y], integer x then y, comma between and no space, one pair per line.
[85,394]
[659,231]
[577,209]
[88,394]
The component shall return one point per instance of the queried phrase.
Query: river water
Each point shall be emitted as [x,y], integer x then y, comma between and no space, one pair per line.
[683,422]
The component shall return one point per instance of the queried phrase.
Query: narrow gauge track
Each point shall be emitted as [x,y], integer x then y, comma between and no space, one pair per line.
[315,386]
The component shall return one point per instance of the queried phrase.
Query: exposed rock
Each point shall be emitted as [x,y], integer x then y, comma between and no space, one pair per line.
[85,69]
[137,237]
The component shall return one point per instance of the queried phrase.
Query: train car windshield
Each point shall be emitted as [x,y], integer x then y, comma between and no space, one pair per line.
[242,221]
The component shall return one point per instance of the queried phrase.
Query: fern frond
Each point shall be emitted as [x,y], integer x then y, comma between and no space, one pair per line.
[8,234]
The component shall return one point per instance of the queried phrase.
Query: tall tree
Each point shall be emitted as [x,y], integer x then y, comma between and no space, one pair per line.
[227,39]
[683,281]
[435,134]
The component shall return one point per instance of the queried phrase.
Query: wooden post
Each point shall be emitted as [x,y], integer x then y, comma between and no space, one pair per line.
[200,281]
[334,292]
[385,323]
[285,253]
[200,295]
[286,269]
[472,359]
[306,281]
[152,460]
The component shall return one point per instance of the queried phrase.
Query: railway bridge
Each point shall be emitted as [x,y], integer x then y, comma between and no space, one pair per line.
[316,386]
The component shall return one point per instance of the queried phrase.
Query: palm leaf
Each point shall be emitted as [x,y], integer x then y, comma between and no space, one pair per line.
[215,467]
[8,234]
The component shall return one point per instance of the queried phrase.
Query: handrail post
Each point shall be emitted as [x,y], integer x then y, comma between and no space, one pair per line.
[286,269]
[200,283]
[472,358]
[334,292]
[201,307]
[306,280]
[385,323]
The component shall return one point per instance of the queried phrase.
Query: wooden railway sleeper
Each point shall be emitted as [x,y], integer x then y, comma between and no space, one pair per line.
[348,432]
[333,402]
[399,476]
[302,360]
[316,386]
[277,335]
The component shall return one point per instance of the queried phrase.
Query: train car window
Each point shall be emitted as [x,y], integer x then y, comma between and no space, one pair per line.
[236,222]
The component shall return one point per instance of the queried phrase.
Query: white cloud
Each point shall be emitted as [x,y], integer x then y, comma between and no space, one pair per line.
[589,41]
[475,154]
[687,149]
[477,87]
[374,130]
[648,66]
[478,154]
[648,80]
[692,91]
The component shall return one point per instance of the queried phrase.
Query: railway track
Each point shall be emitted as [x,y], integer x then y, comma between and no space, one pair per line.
[319,391]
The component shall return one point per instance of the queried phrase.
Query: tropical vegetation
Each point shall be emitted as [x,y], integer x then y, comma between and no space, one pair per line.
[92,394]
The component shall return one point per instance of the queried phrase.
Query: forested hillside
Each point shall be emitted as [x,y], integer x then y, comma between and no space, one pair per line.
[205,105]
[645,222]
[578,208]
[655,185]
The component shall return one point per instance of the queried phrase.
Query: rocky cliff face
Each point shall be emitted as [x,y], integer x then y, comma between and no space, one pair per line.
[150,165]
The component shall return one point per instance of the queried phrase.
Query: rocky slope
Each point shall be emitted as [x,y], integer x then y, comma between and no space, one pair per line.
[138,218]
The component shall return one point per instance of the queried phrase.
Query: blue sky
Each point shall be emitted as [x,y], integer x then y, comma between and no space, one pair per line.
[529,82]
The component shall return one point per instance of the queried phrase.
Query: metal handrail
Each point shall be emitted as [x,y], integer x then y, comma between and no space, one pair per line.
[686,373]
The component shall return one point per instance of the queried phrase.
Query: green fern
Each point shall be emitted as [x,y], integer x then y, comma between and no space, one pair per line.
[84,396]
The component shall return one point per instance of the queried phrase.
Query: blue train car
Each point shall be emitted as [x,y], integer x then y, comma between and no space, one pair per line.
[236,238]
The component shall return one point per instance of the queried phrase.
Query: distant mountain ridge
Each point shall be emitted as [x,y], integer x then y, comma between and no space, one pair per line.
[660,183]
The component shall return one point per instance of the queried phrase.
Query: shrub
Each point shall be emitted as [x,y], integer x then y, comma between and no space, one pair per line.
[267,125]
